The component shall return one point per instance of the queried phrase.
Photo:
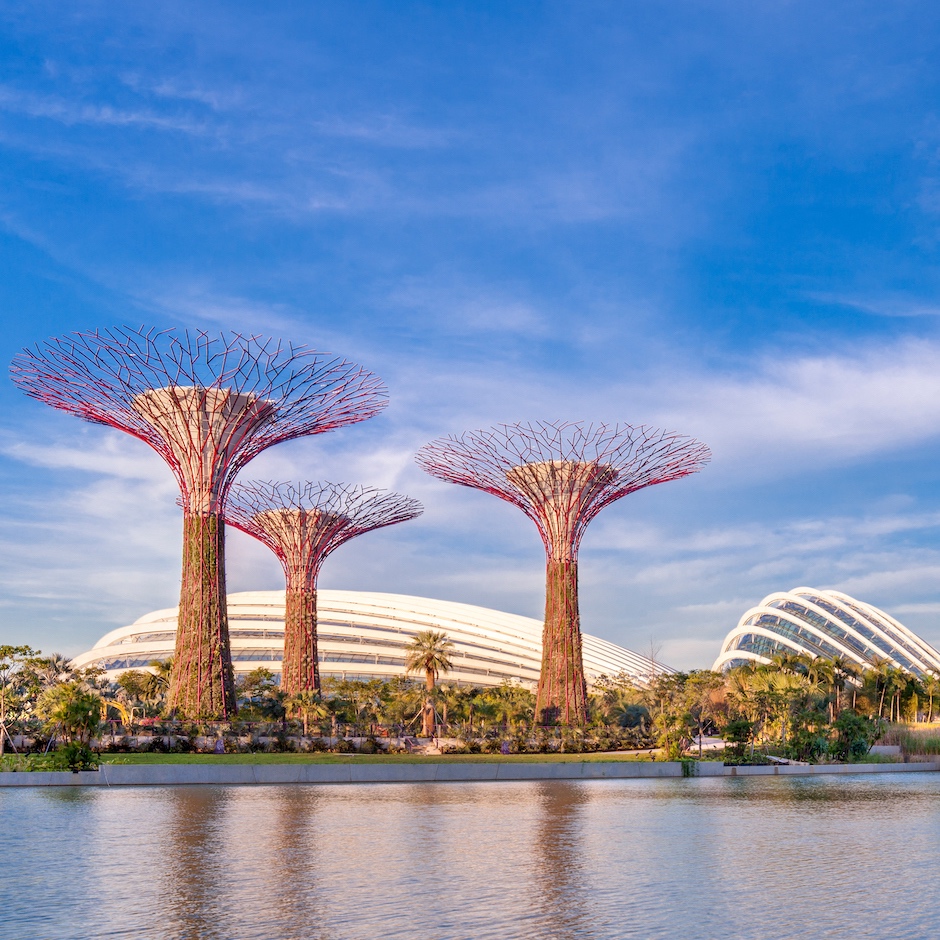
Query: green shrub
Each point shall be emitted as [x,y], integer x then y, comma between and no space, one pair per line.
[77,756]
[853,736]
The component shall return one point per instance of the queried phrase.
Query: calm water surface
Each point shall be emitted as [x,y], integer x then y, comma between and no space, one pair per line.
[761,858]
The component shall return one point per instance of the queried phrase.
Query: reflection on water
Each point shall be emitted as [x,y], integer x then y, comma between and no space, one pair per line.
[737,858]
[558,869]
[193,873]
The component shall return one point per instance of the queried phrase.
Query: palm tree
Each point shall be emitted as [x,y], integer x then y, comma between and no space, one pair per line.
[822,671]
[845,671]
[429,652]
[309,706]
[53,669]
[72,708]
[931,687]
[158,679]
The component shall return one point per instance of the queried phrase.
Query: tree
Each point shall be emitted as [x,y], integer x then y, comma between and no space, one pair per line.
[854,736]
[258,691]
[931,687]
[157,683]
[72,708]
[308,705]
[705,695]
[12,659]
[429,652]
[673,722]
[53,669]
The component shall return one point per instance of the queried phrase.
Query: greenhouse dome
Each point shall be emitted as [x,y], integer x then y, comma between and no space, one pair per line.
[825,623]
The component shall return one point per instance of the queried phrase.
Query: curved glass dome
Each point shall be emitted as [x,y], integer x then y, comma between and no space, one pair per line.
[363,635]
[824,623]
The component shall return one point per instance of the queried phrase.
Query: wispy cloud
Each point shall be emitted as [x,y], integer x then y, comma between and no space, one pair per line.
[786,412]
[882,305]
[70,112]
[388,130]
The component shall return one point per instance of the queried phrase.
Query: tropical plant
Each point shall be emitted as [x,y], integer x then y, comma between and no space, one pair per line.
[853,736]
[309,706]
[70,708]
[429,652]
[260,696]
[13,690]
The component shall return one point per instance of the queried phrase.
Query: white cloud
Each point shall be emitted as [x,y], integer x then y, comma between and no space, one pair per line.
[788,412]
[74,112]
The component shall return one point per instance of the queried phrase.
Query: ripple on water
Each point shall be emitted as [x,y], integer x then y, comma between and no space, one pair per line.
[697,859]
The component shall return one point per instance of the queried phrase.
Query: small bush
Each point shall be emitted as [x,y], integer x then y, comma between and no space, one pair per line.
[76,757]
[854,735]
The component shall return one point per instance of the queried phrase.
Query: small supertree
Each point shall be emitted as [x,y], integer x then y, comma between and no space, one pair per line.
[302,524]
[561,475]
[207,405]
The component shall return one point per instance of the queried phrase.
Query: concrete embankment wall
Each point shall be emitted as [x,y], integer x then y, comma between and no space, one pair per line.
[126,775]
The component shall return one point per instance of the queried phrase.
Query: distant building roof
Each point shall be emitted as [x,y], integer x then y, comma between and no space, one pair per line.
[825,623]
[363,636]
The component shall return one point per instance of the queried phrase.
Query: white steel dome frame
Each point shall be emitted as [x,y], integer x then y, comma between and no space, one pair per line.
[825,623]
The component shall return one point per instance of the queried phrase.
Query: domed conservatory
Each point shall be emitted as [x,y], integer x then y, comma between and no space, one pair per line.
[363,635]
[825,623]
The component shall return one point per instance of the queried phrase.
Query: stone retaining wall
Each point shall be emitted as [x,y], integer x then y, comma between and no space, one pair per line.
[124,775]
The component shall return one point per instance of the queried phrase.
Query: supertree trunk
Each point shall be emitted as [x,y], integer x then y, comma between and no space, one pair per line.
[562,691]
[203,683]
[300,670]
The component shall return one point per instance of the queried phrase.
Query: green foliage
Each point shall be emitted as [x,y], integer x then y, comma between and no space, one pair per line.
[76,756]
[853,735]
[806,744]
[70,708]
[429,652]
[73,757]
[259,696]
[785,708]
[737,733]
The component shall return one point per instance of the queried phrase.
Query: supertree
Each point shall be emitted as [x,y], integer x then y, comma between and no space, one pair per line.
[207,404]
[303,524]
[561,475]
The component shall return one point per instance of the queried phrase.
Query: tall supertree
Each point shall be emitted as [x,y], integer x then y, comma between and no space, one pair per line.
[303,524]
[207,404]
[561,475]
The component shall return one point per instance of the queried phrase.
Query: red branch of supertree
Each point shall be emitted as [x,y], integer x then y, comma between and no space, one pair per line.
[245,392]
[303,523]
[562,474]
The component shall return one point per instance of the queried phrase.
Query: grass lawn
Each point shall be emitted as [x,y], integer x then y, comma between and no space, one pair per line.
[367,758]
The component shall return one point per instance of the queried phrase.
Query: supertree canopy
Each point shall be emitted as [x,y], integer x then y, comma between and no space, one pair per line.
[561,475]
[302,524]
[207,404]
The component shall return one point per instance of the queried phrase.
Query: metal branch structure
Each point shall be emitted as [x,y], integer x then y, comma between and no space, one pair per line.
[303,524]
[207,404]
[561,475]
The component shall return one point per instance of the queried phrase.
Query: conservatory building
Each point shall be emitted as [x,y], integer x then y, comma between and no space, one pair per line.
[825,623]
[363,636]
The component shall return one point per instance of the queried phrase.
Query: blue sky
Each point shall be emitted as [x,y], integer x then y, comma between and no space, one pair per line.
[721,217]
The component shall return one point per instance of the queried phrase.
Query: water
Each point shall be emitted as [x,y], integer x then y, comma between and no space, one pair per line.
[726,858]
